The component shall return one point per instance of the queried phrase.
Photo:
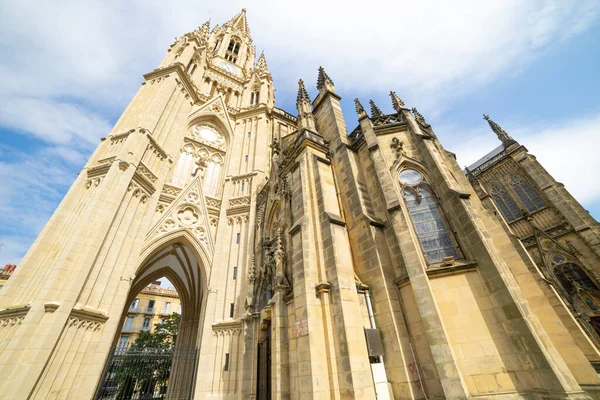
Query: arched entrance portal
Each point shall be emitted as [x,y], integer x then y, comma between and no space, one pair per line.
[181,263]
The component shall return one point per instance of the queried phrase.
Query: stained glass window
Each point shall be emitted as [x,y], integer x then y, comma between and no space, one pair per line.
[526,194]
[569,273]
[436,240]
[506,204]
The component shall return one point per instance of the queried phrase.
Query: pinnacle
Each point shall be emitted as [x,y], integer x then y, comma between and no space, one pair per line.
[504,137]
[418,116]
[261,63]
[397,102]
[375,111]
[239,21]
[323,79]
[302,93]
[360,110]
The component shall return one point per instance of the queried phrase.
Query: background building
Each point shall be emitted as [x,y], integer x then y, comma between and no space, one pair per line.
[149,308]
[6,273]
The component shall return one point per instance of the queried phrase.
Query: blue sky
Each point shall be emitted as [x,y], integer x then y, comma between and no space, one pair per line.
[69,69]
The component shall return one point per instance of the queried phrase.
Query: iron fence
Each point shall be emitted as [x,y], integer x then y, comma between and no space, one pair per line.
[133,373]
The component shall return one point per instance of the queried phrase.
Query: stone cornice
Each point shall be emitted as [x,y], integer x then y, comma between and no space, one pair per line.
[185,80]
[17,310]
[89,314]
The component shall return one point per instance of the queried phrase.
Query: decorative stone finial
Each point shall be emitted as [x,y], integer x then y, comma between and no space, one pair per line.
[306,119]
[418,116]
[360,110]
[261,64]
[397,102]
[375,111]
[302,93]
[324,82]
[504,137]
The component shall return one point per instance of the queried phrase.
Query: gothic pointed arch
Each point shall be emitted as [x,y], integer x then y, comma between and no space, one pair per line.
[214,111]
[436,239]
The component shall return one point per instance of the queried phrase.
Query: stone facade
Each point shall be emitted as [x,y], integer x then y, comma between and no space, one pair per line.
[290,242]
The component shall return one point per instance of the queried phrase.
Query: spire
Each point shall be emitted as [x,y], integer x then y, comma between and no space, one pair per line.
[501,133]
[239,22]
[306,119]
[324,82]
[302,93]
[397,102]
[360,110]
[203,31]
[418,116]
[375,111]
[261,64]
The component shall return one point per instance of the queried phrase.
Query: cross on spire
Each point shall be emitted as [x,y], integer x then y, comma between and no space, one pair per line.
[504,137]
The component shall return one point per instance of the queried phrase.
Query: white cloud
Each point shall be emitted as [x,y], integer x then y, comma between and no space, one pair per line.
[567,149]
[69,68]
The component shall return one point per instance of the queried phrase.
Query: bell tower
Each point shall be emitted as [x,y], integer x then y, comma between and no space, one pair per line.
[169,192]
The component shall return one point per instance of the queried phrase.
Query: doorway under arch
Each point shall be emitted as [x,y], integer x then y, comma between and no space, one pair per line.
[180,261]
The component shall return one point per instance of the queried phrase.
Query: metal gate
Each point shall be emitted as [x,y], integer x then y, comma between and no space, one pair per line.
[263,374]
[141,373]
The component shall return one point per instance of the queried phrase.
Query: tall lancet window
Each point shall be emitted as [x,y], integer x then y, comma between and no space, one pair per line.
[233,50]
[185,166]
[526,194]
[505,204]
[437,242]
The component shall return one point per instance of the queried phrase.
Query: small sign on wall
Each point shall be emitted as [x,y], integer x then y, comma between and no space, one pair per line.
[302,327]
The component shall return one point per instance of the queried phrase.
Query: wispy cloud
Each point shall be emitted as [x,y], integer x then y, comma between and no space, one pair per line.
[69,68]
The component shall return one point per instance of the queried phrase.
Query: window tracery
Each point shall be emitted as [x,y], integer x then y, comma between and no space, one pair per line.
[570,275]
[233,50]
[505,204]
[526,194]
[437,242]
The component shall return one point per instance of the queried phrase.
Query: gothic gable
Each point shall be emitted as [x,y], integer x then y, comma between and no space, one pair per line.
[186,213]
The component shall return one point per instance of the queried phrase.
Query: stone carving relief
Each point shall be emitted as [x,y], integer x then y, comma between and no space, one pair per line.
[187,211]
[207,134]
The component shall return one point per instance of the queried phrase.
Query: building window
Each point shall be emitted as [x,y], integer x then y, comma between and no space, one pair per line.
[232,50]
[237,238]
[254,98]
[249,134]
[243,184]
[437,242]
[571,275]
[526,194]
[146,324]
[135,305]
[123,341]
[234,273]
[150,307]
[166,308]
[246,158]
[231,308]
[506,204]
[226,366]
[128,324]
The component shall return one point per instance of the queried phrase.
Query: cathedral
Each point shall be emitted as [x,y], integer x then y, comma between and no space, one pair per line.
[312,260]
